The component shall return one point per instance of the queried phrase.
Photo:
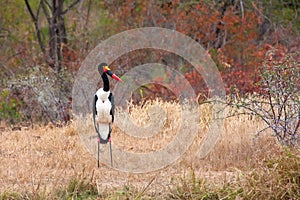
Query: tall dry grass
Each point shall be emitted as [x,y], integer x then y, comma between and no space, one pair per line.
[47,158]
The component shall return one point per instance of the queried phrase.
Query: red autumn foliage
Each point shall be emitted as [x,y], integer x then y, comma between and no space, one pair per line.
[231,33]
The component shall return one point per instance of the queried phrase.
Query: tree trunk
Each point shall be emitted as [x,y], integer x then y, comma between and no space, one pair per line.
[54,12]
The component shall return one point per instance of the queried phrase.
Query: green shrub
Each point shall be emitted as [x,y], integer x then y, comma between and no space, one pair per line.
[9,108]
[279,178]
[79,188]
[10,196]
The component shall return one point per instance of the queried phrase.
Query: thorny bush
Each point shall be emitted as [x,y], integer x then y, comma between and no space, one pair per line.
[278,103]
[45,95]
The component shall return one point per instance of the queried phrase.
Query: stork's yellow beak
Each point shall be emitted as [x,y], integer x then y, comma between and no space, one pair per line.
[106,68]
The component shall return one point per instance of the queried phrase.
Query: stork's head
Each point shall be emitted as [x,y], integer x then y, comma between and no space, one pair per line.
[103,68]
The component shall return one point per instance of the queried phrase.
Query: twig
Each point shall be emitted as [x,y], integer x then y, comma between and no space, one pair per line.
[69,7]
[142,192]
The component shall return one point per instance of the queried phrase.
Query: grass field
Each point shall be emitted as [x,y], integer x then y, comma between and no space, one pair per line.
[47,162]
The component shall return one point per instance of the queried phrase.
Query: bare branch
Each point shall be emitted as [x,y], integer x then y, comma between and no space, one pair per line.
[88,14]
[46,11]
[298,125]
[262,130]
[70,6]
[35,19]
[30,10]
[48,4]
[242,8]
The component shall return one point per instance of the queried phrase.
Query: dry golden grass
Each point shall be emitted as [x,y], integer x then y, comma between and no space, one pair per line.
[45,158]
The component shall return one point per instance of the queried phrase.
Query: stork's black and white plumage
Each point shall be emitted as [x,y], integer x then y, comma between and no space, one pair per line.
[103,105]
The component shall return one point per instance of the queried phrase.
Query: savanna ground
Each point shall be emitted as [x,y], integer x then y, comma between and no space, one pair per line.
[50,162]
[37,68]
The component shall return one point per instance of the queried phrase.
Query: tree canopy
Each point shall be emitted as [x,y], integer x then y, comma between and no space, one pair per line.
[52,37]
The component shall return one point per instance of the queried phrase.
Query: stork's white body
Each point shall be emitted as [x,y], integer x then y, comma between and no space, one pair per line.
[103,116]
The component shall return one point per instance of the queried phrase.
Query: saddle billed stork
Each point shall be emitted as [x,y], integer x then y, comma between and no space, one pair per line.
[103,107]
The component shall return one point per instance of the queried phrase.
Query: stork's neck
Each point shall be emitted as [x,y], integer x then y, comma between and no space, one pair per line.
[105,82]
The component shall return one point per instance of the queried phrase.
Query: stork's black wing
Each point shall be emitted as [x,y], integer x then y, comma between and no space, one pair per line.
[95,112]
[112,111]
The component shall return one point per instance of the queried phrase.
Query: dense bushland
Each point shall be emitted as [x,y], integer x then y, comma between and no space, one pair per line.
[236,34]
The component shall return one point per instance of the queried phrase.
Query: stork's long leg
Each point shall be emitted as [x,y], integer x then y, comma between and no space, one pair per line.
[98,152]
[110,149]
[98,141]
